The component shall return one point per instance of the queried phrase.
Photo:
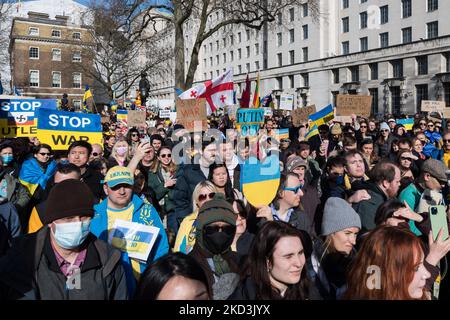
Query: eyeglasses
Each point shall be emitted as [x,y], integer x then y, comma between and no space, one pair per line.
[45,154]
[363,126]
[168,155]
[446,140]
[134,135]
[295,190]
[203,197]
[422,124]
[228,229]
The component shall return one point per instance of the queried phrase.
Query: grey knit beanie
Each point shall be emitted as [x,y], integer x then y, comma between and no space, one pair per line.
[338,215]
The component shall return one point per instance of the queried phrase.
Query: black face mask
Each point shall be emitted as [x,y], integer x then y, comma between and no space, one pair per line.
[218,241]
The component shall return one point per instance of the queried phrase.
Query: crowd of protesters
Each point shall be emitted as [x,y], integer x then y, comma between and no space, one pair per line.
[350,219]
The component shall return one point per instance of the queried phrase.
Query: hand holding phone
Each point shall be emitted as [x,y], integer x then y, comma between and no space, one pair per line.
[438,218]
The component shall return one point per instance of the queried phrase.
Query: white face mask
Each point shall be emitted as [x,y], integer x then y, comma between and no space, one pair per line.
[71,235]
[121,150]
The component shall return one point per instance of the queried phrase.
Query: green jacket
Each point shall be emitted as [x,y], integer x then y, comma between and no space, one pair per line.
[411,194]
[156,183]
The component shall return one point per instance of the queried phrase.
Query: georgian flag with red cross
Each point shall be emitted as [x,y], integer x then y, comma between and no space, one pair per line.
[218,92]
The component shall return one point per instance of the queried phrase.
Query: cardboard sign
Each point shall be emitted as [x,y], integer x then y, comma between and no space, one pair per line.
[18,116]
[257,176]
[60,129]
[432,106]
[343,119]
[136,118]
[348,104]
[248,121]
[164,114]
[133,238]
[300,115]
[446,113]
[192,113]
[286,101]
[267,111]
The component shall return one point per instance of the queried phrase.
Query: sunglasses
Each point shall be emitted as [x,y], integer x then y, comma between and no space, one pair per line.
[134,135]
[45,154]
[423,124]
[168,155]
[431,125]
[385,130]
[363,126]
[404,158]
[295,190]
[446,140]
[203,197]
[228,229]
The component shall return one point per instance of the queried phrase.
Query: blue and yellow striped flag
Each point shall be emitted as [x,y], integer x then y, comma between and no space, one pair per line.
[88,100]
[311,133]
[322,116]
[408,123]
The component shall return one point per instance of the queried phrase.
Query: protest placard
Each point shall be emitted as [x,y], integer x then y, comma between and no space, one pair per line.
[249,120]
[343,119]
[286,101]
[18,116]
[446,113]
[348,104]
[59,129]
[190,111]
[267,111]
[300,115]
[105,119]
[432,106]
[133,238]
[136,118]
[164,113]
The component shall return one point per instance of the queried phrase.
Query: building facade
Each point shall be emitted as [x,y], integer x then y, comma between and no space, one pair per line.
[396,51]
[47,57]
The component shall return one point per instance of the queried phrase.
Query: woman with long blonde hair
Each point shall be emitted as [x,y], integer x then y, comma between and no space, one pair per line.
[120,154]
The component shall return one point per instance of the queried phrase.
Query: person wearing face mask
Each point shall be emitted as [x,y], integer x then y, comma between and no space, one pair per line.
[9,164]
[216,228]
[119,155]
[63,260]
[334,250]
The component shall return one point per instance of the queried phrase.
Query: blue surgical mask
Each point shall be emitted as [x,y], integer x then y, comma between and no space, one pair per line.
[71,235]
[7,159]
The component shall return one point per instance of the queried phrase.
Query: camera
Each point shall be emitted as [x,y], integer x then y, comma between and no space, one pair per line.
[433,210]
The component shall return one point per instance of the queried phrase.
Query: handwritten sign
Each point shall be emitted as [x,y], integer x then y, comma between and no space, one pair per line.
[136,118]
[300,115]
[164,114]
[348,104]
[191,111]
[133,238]
[432,106]
[446,113]
[249,120]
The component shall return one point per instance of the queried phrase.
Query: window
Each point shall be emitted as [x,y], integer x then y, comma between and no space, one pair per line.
[280,59]
[239,53]
[56,54]
[396,99]
[291,81]
[384,14]
[231,55]
[56,33]
[305,79]
[279,81]
[76,81]
[33,31]
[248,51]
[305,10]
[239,37]
[407,35]
[231,40]
[256,65]
[34,78]
[217,59]
[76,36]
[432,5]
[345,26]
[421,94]
[432,30]
[248,34]
[447,94]
[240,69]
[363,20]
[406,8]
[210,62]
[204,64]
[211,75]
[279,39]
[344,4]
[217,73]
[364,44]
[291,36]
[224,58]
[374,93]
[77,57]
[279,19]
[210,47]
[291,14]
[397,68]
[355,73]
[305,54]
[247,66]
[224,42]
[56,79]
[217,45]
[363,1]
[33,53]
[373,71]
[422,65]
[335,73]
[384,40]
[257,48]
[305,32]
[447,61]
[77,104]
[291,57]
[204,48]
[345,47]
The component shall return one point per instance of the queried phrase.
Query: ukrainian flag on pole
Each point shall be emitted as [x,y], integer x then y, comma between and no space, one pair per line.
[322,116]
[256,102]
[88,100]
[311,133]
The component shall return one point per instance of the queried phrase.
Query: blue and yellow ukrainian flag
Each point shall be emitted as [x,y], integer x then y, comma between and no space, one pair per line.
[322,116]
[408,123]
[88,100]
[283,133]
[311,133]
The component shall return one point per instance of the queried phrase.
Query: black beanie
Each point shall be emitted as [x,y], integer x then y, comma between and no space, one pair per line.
[67,199]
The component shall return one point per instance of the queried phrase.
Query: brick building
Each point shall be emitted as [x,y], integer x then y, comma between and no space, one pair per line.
[47,57]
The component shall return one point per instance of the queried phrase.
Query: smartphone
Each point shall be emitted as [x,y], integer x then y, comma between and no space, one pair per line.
[438,218]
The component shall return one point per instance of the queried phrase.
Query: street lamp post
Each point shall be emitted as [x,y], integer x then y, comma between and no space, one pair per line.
[144,87]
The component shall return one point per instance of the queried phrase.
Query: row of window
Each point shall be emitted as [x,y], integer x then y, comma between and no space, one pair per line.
[432,32]
[432,5]
[33,53]
[304,13]
[292,35]
[34,31]
[34,79]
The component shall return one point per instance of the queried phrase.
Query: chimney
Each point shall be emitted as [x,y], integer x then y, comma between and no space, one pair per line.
[62,19]
[37,15]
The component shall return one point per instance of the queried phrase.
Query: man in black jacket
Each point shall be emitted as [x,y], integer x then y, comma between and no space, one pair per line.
[63,260]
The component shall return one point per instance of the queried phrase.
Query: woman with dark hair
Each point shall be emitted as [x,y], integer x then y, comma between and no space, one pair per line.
[174,276]
[369,153]
[218,174]
[133,138]
[405,160]
[275,267]
[242,239]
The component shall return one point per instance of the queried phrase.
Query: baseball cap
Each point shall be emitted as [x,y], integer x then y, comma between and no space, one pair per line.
[118,175]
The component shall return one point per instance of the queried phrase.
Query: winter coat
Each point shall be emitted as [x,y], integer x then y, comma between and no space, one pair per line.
[93,180]
[367,209]
[30,271]
[156,183]
[16,193]
[9,226]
